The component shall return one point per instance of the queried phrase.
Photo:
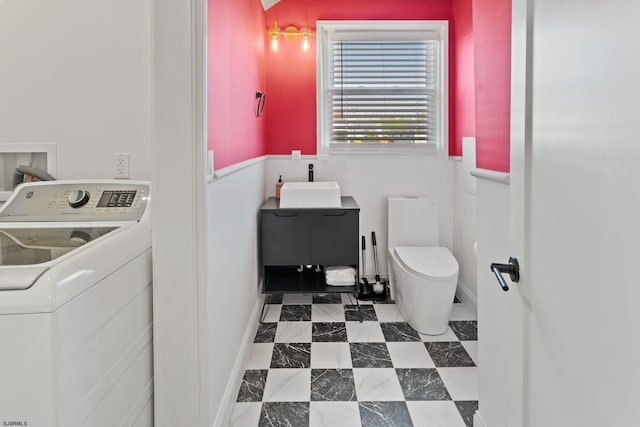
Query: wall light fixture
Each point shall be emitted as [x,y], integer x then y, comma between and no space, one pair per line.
[291,33]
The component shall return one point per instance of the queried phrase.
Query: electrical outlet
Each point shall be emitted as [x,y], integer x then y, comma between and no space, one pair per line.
[296,155]
[121,165]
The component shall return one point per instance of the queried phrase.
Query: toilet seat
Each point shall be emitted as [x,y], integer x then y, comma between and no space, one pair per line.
[432,263]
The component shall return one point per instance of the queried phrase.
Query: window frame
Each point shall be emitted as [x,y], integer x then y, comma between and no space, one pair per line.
[381,30]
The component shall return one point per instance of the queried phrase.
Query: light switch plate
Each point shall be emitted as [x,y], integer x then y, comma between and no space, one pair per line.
[210,171]
[296,155]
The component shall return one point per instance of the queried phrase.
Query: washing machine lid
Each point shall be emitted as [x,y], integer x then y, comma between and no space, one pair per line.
[435,263]
[30,250]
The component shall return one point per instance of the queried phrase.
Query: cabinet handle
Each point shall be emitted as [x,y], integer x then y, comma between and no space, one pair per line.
[285,215]
[334,214]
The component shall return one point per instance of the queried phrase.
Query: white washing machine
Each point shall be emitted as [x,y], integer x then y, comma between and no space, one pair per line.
[76,305]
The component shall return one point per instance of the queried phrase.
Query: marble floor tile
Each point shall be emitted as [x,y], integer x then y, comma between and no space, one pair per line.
[332,385]
[272,313]
[329,332]
[387,300]
[291,355]
[273,299]
[467,410]
[253,384]
[305,368]
[245,414]
[284,414]
[351,300]
[388,313]
[327,299]
[465,330]
[448,354]
[435,413]
[288,385]
[422,384]
[295,313]
[334,414]
[398,331]
[266,332]
[462,383]
[293,332]
[462,312]
[409,355]
[351,313]
[327,313]
[297,299]
[364,332]
[259,356]
[377,384]
[385,414]
[336,355]
[370,355]
[472,349]
[447,336]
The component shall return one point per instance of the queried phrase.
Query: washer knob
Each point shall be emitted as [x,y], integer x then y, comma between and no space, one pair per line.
[78,198]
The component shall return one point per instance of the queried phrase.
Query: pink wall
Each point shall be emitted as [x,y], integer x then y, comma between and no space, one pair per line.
[492,34]
[236,72]
[464,90]
[239,64]
[291,103]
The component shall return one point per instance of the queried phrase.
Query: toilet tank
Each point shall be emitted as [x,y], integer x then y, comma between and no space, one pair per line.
[412,221]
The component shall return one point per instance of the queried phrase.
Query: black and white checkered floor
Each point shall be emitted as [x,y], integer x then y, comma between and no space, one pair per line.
[313,363]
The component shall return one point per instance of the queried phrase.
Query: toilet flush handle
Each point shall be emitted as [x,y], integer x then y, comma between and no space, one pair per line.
[512,268]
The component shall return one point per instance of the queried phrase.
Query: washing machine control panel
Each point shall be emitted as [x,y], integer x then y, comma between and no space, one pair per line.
[77,201]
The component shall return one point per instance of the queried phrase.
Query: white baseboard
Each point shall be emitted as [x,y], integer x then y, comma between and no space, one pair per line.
[235,379]
[478,421]
[467,297]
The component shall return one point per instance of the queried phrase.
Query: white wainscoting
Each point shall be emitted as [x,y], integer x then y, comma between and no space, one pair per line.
[233,202]
[370,180]
[464,230]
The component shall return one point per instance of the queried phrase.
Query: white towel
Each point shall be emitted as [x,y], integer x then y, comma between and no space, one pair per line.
[340,269]
[340,273]
[340,276]
[336,275]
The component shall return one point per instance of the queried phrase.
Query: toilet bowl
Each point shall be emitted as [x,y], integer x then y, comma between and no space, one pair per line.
[423,276]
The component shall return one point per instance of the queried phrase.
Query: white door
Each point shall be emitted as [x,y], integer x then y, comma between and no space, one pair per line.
[574,224]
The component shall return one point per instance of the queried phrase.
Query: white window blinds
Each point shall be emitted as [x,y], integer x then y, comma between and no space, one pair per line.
[382,92]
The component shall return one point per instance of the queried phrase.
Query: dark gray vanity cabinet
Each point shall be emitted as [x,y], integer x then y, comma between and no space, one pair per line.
[291,238]
[285,238]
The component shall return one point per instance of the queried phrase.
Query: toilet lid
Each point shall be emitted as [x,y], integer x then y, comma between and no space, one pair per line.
[431,262]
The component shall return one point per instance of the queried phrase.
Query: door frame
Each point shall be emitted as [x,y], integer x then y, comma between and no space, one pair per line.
[179,144]
[502,317]
[519,193]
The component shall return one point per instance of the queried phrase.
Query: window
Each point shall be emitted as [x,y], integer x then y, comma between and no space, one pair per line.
[382,86]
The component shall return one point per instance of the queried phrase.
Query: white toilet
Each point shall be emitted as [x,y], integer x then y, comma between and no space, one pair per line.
[423,275]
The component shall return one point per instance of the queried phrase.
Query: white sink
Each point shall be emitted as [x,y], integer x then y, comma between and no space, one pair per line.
[310,195]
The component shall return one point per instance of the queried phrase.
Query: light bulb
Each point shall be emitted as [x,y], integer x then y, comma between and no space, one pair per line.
[305,43]
[274,43]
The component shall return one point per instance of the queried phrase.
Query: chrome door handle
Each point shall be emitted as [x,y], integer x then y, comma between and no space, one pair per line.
[513,268]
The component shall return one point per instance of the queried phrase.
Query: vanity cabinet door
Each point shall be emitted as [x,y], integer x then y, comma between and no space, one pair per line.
[334,238]
[285,238]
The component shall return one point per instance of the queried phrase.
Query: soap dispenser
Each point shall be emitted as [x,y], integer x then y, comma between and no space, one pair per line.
[278,187]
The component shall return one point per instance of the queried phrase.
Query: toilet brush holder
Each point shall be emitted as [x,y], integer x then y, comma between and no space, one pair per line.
[372,296]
